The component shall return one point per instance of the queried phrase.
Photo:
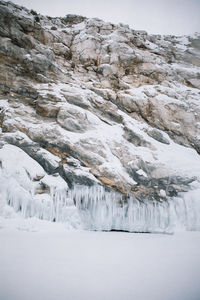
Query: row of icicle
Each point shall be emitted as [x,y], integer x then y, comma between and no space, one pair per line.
[100,209]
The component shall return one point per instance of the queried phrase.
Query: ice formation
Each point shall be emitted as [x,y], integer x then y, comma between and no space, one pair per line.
[100,209]
[26,187]
[108,210]
[56,206]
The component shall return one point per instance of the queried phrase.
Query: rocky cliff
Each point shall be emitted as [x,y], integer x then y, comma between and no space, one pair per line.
[101,104]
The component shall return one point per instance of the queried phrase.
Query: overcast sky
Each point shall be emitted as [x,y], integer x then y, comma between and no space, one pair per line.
[155,16]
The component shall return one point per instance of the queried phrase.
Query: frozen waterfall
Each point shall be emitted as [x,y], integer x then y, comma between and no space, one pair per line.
[56,206]
[101,209]
[25,186]
[108,210]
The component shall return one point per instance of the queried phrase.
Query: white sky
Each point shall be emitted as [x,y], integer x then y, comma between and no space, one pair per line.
[155,16]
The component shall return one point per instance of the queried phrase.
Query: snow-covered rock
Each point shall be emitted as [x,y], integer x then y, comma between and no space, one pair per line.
[98,104]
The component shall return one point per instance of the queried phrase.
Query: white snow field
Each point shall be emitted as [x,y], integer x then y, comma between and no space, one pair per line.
[53,263]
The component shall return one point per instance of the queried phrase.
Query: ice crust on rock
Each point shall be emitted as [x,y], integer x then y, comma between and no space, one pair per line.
[26,187]
[93,208]
[108,210]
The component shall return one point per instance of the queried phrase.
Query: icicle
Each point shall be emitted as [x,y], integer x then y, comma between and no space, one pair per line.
[106,210]
[101,209]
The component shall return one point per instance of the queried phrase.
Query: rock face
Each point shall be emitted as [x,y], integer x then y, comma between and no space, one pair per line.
[100,103]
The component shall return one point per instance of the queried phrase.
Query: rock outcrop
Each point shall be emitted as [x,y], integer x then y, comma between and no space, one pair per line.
[100,103]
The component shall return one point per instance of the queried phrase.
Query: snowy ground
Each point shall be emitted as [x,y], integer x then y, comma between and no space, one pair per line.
[54,263]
